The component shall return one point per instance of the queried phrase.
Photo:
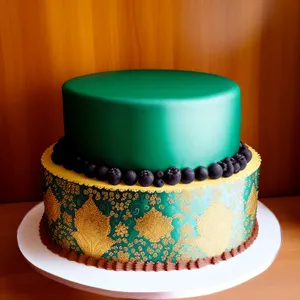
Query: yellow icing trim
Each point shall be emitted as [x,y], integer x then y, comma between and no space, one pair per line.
[61,172]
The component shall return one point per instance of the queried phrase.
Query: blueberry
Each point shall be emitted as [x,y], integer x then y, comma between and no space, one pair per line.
[172,176]
[89,170]
[101,173]
[246,152]
[158,174]
[62,140]
[241,159]
[57,158]
[68,162]
[187,175]
[242,145]
[130,177]
[227,168]
[78,166]
[146,178]
[114,176]
[63,143]
[236,167]
[215,171]
[158,182]
[58,147]
[201,173]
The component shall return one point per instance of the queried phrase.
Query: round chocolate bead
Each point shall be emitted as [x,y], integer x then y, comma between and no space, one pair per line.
[201,173]
[215,171]
[158,174]
[57,158]
[146,178]
[78,166]
[114,176]
[89,170]
[187,175]
[101,173]
[158,182]
[172,176]
[246,152]
[130,177]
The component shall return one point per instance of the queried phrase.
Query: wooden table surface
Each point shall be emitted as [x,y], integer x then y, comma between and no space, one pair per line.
[281,281]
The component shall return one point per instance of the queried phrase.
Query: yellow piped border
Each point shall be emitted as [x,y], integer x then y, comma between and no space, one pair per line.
[61,172]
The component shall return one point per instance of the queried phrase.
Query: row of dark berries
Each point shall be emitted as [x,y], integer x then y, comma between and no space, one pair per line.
[171,176]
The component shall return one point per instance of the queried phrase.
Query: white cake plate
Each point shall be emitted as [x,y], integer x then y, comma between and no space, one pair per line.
[152,285]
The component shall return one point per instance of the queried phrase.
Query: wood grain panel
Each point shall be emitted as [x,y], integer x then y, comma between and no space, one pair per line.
[43,43]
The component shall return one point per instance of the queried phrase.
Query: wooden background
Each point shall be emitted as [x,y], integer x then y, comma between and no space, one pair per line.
[45,42]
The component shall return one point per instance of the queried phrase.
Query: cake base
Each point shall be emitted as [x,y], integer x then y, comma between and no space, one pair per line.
[152,285]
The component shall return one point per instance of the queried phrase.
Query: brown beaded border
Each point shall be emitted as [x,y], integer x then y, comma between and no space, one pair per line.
[145,266]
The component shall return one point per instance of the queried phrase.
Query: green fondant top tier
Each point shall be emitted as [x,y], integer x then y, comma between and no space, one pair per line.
[153,119]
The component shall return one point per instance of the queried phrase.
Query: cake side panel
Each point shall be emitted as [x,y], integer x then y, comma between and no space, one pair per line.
[150,226]
[152,134]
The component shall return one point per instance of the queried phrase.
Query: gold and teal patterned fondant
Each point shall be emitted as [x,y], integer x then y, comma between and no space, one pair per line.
[170,224]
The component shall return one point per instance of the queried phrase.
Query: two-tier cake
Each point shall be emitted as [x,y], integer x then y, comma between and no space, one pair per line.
[151,174]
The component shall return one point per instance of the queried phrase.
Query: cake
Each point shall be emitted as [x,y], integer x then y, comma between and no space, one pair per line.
[150,174]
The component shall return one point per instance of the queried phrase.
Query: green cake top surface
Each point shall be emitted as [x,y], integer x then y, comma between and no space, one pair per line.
[150,85]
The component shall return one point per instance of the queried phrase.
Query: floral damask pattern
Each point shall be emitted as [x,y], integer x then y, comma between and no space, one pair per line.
[92,230]
[52,206]
[216,221]
[143,226]
[154,226]
[121,229]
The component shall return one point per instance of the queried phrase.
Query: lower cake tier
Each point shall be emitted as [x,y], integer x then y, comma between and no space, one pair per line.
[147,228]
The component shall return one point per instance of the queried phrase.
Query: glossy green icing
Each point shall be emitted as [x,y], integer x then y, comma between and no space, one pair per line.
[153,119]
[105,223]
